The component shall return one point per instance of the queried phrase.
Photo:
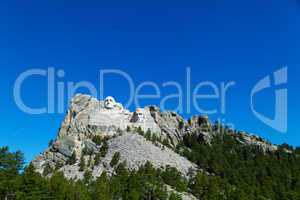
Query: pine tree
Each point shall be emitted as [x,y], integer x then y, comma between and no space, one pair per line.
[104,149]
[140,131]
[10,166]
[72,159]
[59,187]
[82,164]
[100,190]
[173,177]
[97,159]
[79,191]
[115,159]
[175,196]
[97,140]
[181,124]
[148,135]
[34,186]
[87,177]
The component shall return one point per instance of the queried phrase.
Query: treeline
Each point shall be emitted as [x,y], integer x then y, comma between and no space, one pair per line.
[230,171]
[19,183]
[244,172]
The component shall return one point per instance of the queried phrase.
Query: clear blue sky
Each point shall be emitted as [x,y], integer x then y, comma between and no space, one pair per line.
[222,40]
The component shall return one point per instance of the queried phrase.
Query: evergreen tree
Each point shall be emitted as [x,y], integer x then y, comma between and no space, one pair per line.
[104,148]
[148,135]
[100,190]
[173,177]
[115,159]
[82,164]
[72,159]
[10,166]
[140,131]
[33,186]
[59,188]
[181,124]
[175,196]
[97,140]
[97,159]
[238,172]
[79,191]
[87,176]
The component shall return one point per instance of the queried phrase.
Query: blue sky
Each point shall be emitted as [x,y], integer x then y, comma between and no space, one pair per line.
[241,41]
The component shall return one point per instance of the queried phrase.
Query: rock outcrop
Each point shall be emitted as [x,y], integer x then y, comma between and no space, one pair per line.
[92,127]
[87,117]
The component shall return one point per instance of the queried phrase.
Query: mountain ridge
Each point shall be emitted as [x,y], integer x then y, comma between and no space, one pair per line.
[88,118]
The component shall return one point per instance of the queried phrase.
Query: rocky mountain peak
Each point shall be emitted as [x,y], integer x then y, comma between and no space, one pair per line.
[91,124]
[94,131]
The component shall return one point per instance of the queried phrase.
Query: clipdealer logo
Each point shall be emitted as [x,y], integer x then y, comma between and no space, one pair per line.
[279,79]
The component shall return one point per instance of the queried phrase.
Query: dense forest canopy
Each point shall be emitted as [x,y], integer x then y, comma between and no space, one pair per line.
[230,171]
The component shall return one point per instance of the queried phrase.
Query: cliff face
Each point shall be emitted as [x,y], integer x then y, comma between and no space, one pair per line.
[97,132]
[88,118]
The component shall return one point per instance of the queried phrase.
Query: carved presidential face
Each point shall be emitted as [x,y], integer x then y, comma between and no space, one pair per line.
[140,114]
[119,106]
[109,102]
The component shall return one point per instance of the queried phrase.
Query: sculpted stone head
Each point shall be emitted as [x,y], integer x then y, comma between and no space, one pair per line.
[140,114]
[109,102]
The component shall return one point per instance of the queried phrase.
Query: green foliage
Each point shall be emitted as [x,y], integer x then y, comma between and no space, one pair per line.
[128,129]
[104,148]
[241,172]
[181,124]
[97,159]
[148,135]
[82,164]
[237,173]
[210,187]
[90,162]
[174,178]
[175,196]
[97,140]
[154,138]
[11,163]
[79,191]
[166,143]
[29,185]
[140,131]
[297,151]
[10,166]
[115,159]
[58,186]
[33,186]
[47,170]
[72,159]
[100,189]
[87,176]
